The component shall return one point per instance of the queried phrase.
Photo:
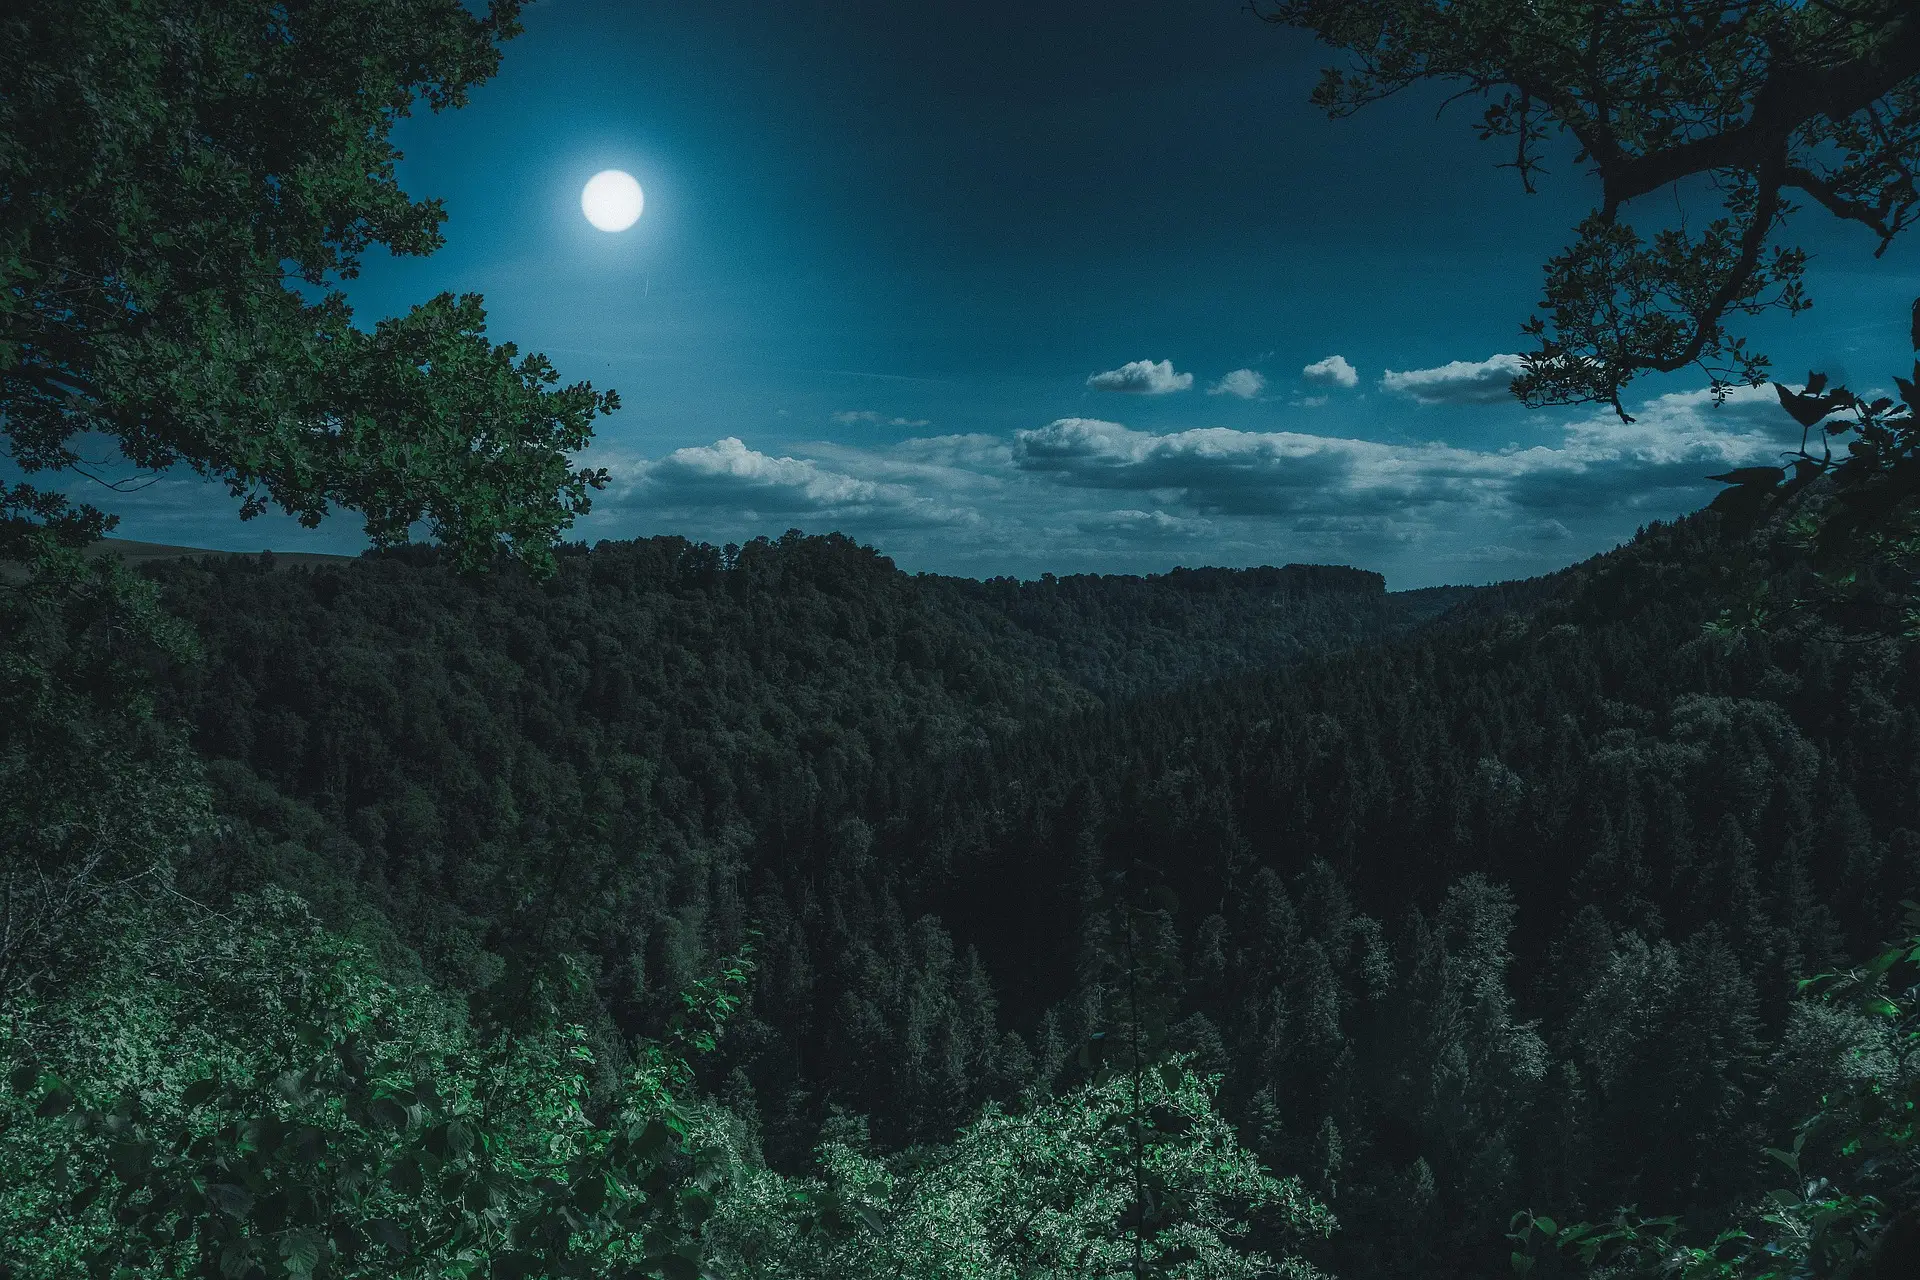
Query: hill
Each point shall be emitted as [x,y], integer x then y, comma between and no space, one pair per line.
[1449,899]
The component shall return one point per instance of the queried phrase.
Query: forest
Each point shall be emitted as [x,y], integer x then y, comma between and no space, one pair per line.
[499,905]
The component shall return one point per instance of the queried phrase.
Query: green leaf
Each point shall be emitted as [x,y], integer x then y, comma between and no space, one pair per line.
[1521,1262]
[309,1144]
[236,1260]
[300,1249]
[23,1077]
[590,1196]
[197,1093]
[130,1161]
[511,1266]
[389,1113]
[1791,1159]
[651,1139]
[1547,1226]
[405,1176]
[234,1201]
[385,1231]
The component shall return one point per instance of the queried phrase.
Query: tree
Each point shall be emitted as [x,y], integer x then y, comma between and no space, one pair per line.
[1765,98]
[1850,1212]
[245,1095]
[1048,1191]
[183,186]
[96,794]
[1862,530]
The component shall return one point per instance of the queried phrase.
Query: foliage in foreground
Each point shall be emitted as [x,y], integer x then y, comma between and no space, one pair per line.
[244,1096]
[1861,532]
[1774,100]
[187,185]
[1853,1210]
[247,1097]
[1118,1177]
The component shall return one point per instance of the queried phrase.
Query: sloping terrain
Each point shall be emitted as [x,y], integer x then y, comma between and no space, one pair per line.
[1471,909]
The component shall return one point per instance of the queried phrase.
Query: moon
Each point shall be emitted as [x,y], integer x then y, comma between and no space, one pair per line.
[612,200]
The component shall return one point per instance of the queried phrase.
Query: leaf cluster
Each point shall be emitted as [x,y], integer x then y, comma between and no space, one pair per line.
[183,187]
[1855,1159]
[1760,97]
[361,1137]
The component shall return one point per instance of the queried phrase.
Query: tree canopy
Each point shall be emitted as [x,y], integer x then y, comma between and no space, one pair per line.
[1770,100]
[184,185]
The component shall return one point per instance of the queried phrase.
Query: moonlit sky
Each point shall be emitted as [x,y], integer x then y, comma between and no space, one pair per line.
[1048,285]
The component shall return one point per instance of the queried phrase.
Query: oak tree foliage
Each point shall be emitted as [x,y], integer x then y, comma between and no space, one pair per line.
[184,185]
[1779,104]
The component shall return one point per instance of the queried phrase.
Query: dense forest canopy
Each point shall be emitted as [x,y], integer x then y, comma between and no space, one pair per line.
[1498,908]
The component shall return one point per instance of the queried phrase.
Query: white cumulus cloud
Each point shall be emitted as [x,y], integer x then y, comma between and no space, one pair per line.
[1245,383]
[1334,371]
[1457,381]
[728,474]
[1142,377]
[1087,492]
[1601,464]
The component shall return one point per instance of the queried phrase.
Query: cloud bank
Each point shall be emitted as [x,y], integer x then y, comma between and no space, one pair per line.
[1142,377]
[1457,381]
[1090,494]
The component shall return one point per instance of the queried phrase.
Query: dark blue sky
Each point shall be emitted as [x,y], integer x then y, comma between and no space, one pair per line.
[889,249]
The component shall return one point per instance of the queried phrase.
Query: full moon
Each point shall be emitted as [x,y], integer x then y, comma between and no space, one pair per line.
[612,200]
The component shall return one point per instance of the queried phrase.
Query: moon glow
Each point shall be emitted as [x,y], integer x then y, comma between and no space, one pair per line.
[612,200]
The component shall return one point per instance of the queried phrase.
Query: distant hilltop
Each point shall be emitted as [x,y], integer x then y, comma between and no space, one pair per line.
[1290,577]
[1265,577]
[135,552]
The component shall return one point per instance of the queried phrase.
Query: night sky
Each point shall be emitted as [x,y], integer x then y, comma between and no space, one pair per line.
[1092,290]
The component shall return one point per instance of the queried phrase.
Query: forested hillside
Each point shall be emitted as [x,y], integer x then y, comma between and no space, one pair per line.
[430,742]
[1497,911]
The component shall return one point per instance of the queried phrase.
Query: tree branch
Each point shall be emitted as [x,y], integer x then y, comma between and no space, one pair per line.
[58,381]
[1788,99]
[1766,208]
[1840,206]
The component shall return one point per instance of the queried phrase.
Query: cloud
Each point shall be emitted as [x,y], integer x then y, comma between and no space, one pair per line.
[849,417]
[1245,383]
[1599,466]
[728,475]
[1218,470]
[1334,371]
[1549,531]
[1142,377]
[975,454]
[1457,381]
[1130,523]
[1086,494]
[1674,442]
